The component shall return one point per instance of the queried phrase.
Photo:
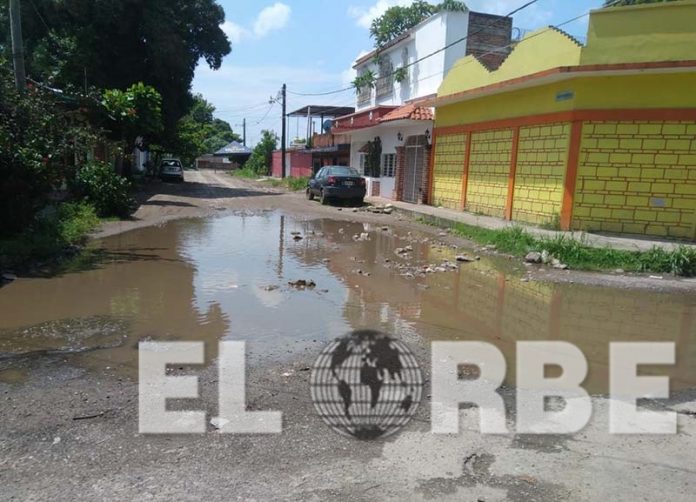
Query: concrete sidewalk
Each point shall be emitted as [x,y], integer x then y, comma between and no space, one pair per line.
[447,217]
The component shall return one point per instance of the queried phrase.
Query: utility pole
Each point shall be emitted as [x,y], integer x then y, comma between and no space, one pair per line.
[244,131]
[17,45]
[282,136]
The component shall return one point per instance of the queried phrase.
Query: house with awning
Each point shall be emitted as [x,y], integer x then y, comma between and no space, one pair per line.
[390,130]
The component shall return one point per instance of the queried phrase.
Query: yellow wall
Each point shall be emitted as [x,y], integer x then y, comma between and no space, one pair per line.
[558,48]
[637,178]
[489,168]
[633,177]
[599,93]
[642,33]
[448,169]
[540,173]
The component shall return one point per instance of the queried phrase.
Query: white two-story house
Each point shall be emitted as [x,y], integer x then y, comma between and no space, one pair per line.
[389,127]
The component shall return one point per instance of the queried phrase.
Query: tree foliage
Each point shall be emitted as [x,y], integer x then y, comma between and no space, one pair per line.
[113,44]
[199,132]
[619,3]
[39,137]
[398,19]
[137,111]
[262,155]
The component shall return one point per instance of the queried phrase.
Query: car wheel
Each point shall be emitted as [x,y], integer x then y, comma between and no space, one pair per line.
[310,195]
[323,199]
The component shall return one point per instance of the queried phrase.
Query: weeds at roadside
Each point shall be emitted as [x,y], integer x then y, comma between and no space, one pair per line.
[579,255]
[54,229]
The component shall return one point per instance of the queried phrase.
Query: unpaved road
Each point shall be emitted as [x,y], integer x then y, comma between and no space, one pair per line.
[69,431]
[209,193]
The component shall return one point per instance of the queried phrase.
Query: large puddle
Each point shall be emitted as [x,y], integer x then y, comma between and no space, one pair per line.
[227,278]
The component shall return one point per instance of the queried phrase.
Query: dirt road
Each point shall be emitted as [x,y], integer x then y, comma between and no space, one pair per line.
[68,375]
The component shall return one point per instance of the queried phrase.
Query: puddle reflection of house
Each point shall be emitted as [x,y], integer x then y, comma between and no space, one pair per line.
[480,303]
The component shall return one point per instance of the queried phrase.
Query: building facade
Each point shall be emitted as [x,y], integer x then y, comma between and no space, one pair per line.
[407,70]
[600,137]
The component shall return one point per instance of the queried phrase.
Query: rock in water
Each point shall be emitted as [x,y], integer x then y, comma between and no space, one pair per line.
[533,257]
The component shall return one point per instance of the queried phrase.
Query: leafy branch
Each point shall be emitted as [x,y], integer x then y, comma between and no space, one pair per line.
[364,80]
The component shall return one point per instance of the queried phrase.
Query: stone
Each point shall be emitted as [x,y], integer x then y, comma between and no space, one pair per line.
[388,210]
[533,257]
[545,257]
[465,259]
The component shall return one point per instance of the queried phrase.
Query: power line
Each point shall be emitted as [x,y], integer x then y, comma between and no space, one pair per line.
[458,41]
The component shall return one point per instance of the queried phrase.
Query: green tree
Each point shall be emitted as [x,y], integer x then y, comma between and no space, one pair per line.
[199,132]
[262,155]
[113,44]
[396,20]
[38,141]
[137,111]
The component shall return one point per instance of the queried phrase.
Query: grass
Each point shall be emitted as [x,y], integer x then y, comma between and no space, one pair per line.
[578,255]
[291,183]
[245,173]
[54,229]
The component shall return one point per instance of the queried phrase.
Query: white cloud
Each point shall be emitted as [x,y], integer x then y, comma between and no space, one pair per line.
[274,17]
[234,31]
[242,92]
[365,15]
[271,18]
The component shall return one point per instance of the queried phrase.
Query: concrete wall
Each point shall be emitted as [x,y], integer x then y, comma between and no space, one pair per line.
[602,149]
[489,171]
[448,167]
[424,77]
[637,178]
[298,164]
[540,173]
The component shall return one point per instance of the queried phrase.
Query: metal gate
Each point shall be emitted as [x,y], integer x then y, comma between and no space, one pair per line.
[413,168]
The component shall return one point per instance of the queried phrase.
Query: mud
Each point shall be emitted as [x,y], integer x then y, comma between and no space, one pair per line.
[68,359]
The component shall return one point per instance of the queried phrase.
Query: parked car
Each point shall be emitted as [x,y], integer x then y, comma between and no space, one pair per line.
[337,182]
[171,169]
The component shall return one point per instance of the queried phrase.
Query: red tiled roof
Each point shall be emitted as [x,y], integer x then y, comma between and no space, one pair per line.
[409,112]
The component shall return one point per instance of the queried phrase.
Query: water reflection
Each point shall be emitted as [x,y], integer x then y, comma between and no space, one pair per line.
[226,278]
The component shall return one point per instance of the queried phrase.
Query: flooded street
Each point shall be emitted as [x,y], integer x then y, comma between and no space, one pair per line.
[68,361]
[228,278]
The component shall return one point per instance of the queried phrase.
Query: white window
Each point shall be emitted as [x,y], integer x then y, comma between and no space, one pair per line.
[385,80]
[389,165]
[363,163]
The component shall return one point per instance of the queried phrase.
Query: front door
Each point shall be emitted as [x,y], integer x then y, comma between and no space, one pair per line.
[413,168]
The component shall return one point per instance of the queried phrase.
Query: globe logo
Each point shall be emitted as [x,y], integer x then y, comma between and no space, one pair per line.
[366,384]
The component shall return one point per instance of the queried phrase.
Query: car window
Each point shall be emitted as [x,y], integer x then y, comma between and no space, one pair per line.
[320,173]
[343,171]
[168,163]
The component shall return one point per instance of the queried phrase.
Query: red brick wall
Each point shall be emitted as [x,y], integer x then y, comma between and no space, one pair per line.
[300,163]
[489,38]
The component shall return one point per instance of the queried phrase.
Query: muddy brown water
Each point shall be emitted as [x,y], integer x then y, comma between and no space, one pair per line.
[227,278]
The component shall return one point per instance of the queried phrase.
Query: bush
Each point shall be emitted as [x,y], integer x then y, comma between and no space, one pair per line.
[53,229]
[106,190]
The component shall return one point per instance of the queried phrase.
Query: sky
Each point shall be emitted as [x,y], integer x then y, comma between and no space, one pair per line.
[311,44]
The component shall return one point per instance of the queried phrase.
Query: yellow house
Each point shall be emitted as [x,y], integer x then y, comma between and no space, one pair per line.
[599,137]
